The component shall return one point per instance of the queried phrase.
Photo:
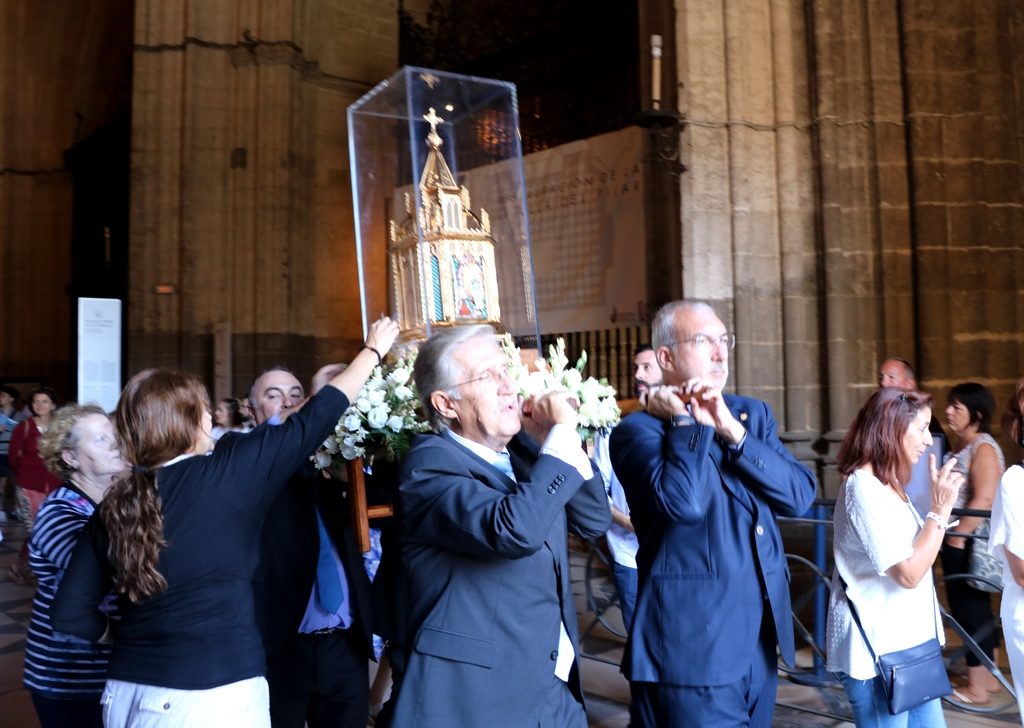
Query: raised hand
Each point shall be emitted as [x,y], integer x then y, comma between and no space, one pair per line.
[946,484]
[382,335]
[543,411]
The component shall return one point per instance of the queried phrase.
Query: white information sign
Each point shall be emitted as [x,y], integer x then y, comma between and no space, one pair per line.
[99,351]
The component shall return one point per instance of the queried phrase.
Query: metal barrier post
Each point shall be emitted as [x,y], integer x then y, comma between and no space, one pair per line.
[820,596]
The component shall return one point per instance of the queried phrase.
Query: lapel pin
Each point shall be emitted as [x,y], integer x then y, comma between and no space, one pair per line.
[743,416]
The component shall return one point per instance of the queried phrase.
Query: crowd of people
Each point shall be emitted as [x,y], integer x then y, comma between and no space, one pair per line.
[194,569]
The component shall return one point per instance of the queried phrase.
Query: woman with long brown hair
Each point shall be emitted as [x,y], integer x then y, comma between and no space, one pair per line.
[179,541]
[884,552]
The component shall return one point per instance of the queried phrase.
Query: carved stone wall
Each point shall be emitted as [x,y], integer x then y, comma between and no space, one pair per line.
[241,195]
[854,192]
[748,202]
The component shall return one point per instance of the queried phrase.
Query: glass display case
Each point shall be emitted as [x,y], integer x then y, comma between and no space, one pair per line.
[442,235]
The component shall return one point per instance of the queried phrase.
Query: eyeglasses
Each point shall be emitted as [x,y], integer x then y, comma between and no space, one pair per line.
[495,375]
[706,343]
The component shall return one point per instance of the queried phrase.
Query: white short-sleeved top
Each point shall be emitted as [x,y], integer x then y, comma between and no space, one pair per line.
[1008,530]
[873,530]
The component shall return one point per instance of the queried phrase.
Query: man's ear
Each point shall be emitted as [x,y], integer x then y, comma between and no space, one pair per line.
[665,358]
[444,403]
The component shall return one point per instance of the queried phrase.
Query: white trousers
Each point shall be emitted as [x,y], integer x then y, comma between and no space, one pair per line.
[245,704]
[1013,638]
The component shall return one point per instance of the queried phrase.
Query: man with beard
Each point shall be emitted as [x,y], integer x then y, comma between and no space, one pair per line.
[621,536]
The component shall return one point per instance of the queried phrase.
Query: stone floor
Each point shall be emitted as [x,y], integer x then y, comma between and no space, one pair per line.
[608,692]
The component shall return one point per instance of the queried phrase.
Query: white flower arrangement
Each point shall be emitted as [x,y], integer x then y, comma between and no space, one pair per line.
[598,411]
[384,417]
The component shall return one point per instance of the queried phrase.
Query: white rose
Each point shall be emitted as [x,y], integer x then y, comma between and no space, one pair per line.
[321,459]
[350,452]
[377,417]
[376,397]
[352,422]
[363,404]
[403,393]
[395,423]
[399,376]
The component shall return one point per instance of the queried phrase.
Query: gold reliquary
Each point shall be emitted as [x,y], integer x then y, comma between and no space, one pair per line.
[441,255]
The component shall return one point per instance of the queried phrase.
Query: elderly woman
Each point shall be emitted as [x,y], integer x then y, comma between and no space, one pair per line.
[980,460]
[66,678]
[884,553]
[179,541]
[1006,540]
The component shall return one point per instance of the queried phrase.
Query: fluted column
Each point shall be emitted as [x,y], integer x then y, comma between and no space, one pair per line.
[749,240]
[240,179]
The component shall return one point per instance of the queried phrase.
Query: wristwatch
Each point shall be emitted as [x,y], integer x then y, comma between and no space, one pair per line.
[682,420]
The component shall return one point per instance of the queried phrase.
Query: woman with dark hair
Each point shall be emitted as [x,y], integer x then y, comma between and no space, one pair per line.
[31,476]
[179,541]
[227,417]
[884,552]
[66,678]
[980,460]
[1006,541]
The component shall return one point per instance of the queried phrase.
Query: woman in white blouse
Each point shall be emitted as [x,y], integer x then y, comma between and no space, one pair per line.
[1007,540]
[884,552]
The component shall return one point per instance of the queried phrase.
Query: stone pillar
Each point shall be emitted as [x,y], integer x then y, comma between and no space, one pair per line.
[964,73]
[749,242]
[240,179]
[866,234]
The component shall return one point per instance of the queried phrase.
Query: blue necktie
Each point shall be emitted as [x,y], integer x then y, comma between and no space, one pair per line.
[330,589]
[504,464]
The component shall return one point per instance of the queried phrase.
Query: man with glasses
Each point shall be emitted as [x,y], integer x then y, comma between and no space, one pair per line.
[705,476]
[485,502]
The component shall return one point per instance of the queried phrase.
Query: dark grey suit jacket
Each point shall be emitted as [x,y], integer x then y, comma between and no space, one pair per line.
[485,581]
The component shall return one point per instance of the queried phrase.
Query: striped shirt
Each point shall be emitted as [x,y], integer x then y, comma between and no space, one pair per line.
[63,667]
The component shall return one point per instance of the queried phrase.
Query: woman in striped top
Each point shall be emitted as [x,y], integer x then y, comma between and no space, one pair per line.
[66,675]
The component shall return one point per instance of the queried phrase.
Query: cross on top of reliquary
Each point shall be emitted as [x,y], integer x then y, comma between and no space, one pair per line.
[434,120]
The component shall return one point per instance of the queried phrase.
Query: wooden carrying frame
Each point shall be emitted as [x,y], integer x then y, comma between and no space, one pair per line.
[361,513]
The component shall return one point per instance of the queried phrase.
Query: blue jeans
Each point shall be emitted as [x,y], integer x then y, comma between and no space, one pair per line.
[625,582]
[871,710]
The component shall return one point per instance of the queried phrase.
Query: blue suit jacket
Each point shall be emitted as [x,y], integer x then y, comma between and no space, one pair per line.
[485,581]
[710,554]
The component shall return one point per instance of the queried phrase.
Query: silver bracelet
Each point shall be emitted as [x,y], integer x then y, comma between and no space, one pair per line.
[942,524]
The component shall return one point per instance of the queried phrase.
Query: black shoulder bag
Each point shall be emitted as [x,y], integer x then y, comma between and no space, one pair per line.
[910,677]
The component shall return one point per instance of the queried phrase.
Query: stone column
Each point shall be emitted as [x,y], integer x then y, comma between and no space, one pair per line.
[240,178]
[964,73]
[748,239]
[866,235]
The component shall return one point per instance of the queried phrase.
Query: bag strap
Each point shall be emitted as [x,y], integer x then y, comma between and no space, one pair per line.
[856,619]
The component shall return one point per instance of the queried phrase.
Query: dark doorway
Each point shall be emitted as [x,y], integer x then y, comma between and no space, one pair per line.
[100,167]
